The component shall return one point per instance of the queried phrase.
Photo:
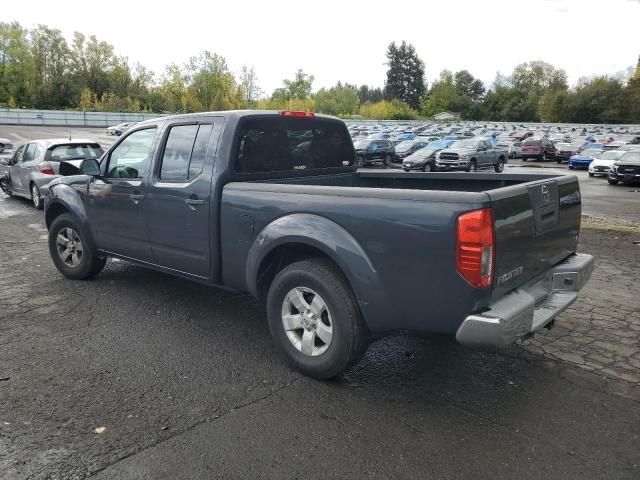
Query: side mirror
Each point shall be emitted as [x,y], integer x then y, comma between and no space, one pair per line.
[91,167]
[4,161]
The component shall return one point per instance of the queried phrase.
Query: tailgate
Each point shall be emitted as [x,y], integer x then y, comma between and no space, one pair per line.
[536,226]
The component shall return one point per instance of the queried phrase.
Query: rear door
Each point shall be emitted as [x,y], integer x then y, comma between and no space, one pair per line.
[27,165]
[178,203]
[14,169]
[536,226]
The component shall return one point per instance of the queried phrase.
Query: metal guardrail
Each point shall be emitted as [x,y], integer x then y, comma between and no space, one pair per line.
[69,118]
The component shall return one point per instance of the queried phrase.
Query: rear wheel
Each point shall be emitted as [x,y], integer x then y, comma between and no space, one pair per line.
[314,318]
[72,250]
[35,197]
[543,157]
[387,160]
[499,167]
[558,161]
[524,159]
[359,161]
[473,166]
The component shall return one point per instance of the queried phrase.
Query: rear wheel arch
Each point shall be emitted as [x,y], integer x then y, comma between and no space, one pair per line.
[275,248]
[54,211]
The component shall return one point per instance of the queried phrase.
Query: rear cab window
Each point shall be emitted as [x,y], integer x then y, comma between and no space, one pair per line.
[277,144]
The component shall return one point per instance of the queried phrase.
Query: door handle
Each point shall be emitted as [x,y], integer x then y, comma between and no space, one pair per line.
[136,197]
[192,203]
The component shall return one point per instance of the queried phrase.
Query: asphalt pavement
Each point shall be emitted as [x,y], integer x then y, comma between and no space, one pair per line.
[182,381]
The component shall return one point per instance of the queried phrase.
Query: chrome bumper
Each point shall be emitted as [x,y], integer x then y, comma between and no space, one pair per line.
[529,308]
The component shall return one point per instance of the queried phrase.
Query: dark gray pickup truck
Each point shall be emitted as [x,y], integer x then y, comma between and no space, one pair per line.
[270,203]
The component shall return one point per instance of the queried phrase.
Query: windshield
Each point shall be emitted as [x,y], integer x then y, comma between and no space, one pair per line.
[424,152]
[437,144]
[610,155]
[591,153]
[78,151]
[406,145]
[361,144]
[465,144]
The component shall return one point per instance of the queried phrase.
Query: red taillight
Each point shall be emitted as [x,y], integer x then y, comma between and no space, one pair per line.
[475,247]
[286,113]
[45,168]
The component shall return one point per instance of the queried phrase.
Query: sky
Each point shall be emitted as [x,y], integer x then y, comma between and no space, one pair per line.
[346,40]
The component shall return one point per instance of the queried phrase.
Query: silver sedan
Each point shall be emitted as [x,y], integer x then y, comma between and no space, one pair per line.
[33,165]
[5,144]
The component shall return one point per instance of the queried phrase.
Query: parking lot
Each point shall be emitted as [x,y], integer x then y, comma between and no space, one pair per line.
[183,380]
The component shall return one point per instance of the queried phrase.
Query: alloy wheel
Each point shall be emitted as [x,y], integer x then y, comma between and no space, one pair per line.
[69,247]
[307,321]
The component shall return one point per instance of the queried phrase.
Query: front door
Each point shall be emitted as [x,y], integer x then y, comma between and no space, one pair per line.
[179,194]
[117,197]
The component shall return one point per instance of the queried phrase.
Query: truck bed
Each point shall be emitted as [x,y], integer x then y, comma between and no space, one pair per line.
[405,224]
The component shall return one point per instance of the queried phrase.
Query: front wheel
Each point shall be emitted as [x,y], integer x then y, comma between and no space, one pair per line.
[71,249]
[387,160]
[524,159]
[558,161]
[591,174]
[359,162]
[427,167]
[5,186]
[473,166]
[499,167]
[314,318]
[612,182]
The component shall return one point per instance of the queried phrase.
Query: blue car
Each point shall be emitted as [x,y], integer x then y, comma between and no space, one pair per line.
[583,159]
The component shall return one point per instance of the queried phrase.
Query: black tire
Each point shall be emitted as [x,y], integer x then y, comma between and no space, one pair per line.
[543,157]
[90,264]
[36,199]
[427,167]
[591,174]
[5,186]
[558,161]
[512,155]
[359,162]
[473,166]
[387,160]
[406,170]
[350,337]
[524,159]
[612,182]
[499,167]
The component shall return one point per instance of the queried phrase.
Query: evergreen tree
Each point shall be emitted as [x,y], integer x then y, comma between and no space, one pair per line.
[405,77]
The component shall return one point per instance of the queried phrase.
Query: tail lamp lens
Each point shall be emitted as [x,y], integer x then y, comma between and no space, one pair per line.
[46,168]
[475,249]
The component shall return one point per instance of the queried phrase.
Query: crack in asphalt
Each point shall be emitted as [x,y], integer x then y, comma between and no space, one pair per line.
[217,418]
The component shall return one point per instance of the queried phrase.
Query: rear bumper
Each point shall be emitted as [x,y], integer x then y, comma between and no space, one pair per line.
[529,308]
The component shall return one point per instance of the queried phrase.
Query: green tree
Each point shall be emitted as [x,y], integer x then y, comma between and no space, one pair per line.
[16,65]
[337,100]
[405,76]
[249,84]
